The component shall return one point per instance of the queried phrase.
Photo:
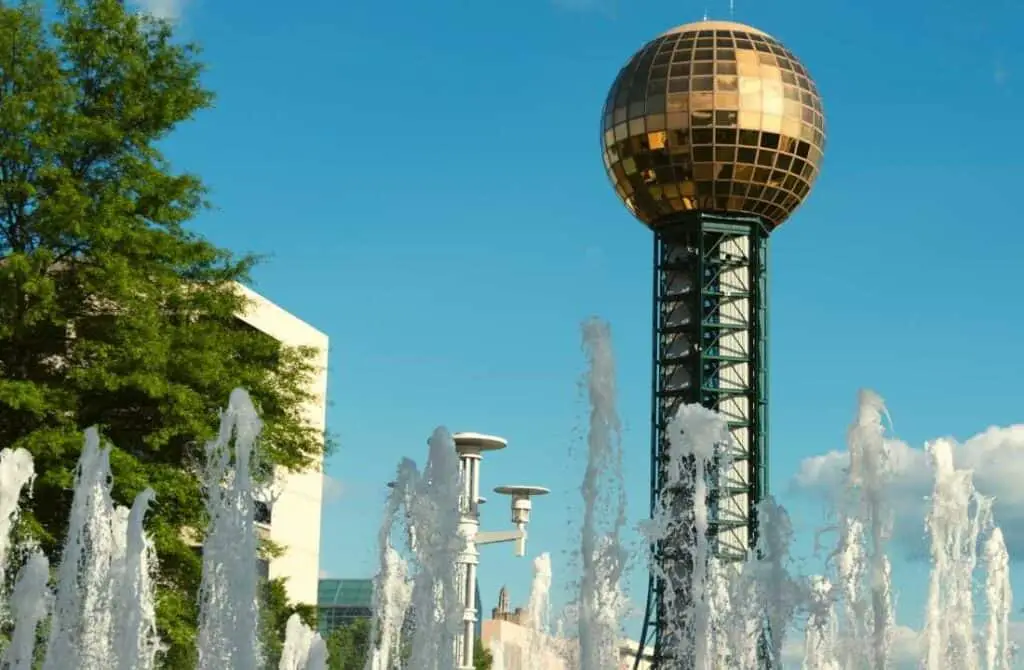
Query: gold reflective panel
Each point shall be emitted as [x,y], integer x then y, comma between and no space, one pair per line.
[716,116]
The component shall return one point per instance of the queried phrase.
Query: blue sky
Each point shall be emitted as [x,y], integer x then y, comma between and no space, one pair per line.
[427,181]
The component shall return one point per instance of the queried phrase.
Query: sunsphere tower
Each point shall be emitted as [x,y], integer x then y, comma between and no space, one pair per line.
[712,136]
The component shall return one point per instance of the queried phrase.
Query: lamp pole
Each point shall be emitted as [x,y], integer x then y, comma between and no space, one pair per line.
[470,448]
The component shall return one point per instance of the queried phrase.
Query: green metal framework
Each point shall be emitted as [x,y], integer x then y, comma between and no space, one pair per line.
[710,347]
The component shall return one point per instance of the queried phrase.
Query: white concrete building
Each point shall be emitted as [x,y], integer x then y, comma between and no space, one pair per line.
[518,643]
[521,649]
[294,522]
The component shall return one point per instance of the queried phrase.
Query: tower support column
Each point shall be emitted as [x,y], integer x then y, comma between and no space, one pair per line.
[710,348]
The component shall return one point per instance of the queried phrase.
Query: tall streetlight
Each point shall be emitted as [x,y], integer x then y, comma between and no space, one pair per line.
[470,448]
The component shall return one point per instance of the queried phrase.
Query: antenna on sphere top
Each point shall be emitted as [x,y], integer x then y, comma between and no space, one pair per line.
[732,9]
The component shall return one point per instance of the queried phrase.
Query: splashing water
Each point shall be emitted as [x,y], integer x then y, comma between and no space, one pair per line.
[726,611]
[101,610]
[694,437]
[29,605]
[821,634]
[539,607]
[601,601]
[303,648]
[781,593]
[957,517]
[732,608]
[318,656]
[106,562]
[436,604]
[16,474]
[81,624]
[849,622]
[427,590]
[731,599]
[135,637]
[865,523]
[543,650]
[392,594]
[228,596]
[998,651]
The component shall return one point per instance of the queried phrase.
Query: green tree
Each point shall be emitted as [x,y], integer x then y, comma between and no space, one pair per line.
[349,645]
[112,313]
[482,659]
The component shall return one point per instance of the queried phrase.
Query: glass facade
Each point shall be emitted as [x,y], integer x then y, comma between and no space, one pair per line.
[341,601]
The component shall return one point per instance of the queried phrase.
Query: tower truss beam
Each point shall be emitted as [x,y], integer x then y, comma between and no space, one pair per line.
[710,348]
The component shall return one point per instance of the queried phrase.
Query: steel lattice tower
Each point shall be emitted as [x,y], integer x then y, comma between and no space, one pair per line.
[712,136]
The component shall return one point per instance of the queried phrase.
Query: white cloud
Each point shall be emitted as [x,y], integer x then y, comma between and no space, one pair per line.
[332,488]
[906,649]
[906,652]
[170,10]
[996,457]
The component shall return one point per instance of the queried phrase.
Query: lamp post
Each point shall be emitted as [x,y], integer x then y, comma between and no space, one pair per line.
[470,448]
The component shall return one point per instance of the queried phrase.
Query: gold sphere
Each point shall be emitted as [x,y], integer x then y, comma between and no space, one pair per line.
[713,116]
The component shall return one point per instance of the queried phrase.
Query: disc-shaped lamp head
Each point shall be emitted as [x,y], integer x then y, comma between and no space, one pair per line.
[521,504]
[713,116]
[527,491]
[477,442]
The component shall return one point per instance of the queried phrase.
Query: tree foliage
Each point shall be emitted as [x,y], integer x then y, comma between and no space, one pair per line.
[348,648]
[482,658]
[112,312]
[349,645]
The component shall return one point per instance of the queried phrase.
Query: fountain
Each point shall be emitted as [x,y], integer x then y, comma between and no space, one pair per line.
[303,649]
[601,601]
[392,594]
[86,630]
[108,560]
[822,625]
[998,648]
[16,473]
[422,595]
[740,613]
[695,435]
[228,596]
[538,615]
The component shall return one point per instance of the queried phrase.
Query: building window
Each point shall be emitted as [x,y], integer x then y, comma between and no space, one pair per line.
[262,513]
